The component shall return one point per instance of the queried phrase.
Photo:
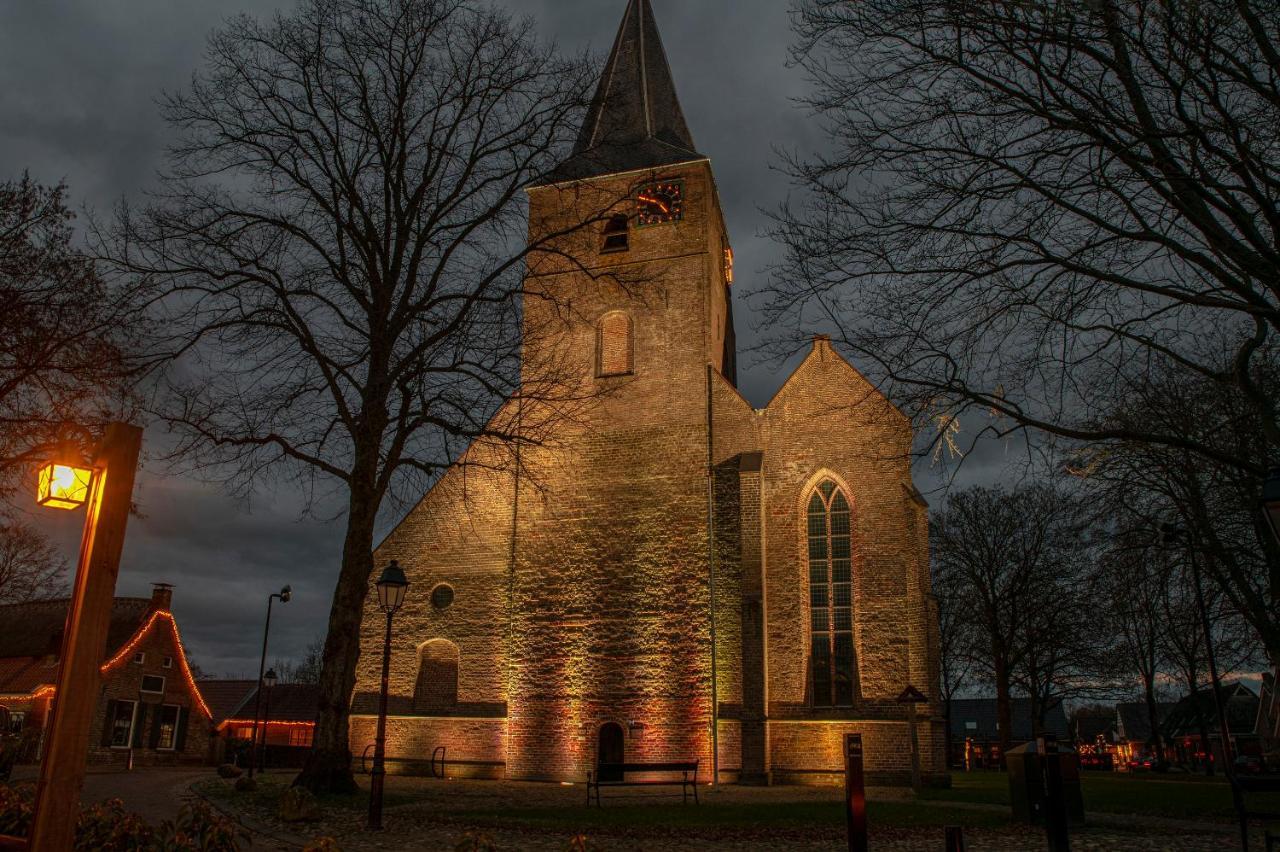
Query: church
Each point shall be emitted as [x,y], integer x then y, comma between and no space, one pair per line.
[673,574]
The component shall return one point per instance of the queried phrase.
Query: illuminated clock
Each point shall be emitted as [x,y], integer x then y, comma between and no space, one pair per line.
[660,202]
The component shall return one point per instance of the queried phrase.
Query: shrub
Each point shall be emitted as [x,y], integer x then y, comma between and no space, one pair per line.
[109,827]
[229,770]
[15,809]
[245,784]
[199,828]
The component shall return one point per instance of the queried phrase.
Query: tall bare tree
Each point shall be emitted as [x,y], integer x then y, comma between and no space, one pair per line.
[338,248]
[1023,201]
[66,335]
[30,566]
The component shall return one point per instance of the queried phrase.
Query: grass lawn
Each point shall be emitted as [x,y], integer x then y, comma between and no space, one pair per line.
[1193,797]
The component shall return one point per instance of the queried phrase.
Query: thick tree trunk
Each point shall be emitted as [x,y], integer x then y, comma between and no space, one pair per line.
[1155,741]
[328,766]
[1004,707]
[1206,747]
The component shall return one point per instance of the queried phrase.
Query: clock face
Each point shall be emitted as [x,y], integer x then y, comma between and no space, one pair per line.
[660,202]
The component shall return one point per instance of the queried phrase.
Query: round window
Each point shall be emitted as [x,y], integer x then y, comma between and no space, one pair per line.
[442,596]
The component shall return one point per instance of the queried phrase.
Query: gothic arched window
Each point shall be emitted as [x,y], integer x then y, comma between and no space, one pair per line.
[613,343]
[833,666]
[437,686]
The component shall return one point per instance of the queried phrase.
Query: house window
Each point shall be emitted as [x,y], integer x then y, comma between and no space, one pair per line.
[616,237]
[833,668]
[301,736]
[16,721]
[121,721]
[167,663]
[437,686]
[152,683]
[166,727]
[140,657]
[613,343]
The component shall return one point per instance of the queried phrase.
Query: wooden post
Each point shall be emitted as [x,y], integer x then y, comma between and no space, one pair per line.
[57,804]
[855,793]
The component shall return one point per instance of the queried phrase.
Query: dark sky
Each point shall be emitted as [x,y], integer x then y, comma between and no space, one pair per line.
[78,83]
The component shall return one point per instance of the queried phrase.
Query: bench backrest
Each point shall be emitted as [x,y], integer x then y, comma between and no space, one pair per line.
[648,767]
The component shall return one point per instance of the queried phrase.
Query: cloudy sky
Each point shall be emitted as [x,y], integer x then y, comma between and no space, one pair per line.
[78,85]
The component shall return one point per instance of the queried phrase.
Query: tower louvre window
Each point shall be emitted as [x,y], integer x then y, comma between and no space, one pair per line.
[614,345]
[832,663]
[616,235]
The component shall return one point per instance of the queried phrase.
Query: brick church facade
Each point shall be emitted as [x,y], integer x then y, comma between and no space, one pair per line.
[674,574]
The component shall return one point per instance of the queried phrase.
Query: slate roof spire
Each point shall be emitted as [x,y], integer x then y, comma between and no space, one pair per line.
[635,120]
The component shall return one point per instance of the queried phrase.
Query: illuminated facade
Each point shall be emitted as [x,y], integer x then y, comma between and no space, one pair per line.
[734,585]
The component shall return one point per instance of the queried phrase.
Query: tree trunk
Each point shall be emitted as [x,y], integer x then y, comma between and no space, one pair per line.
[1205,746]
[1004,707]
[1154,741]
[328,766]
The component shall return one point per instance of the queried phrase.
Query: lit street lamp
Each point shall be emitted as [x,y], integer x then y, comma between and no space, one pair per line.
[105,488]
[269,682]
[392,586]
[283,595]
[1271,502]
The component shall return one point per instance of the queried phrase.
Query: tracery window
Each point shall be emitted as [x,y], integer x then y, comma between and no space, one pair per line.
[614,345]
[832,661]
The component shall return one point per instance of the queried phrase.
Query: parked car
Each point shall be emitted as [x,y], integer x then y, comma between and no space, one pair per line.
[1249,764]
[1141,763]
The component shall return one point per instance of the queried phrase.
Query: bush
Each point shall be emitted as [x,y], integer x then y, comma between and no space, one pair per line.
[15,809]
[229,770]
[245,784]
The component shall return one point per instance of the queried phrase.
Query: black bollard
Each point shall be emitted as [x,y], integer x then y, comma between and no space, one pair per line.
[955,838]
[1055,817]
[855,793]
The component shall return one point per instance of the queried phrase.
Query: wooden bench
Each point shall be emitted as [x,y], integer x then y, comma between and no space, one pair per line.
[1246,784]
[615,775]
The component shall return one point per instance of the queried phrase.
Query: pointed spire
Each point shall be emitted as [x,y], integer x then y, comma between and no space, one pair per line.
[635,120]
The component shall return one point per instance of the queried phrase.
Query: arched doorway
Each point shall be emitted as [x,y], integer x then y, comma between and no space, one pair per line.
[610,751]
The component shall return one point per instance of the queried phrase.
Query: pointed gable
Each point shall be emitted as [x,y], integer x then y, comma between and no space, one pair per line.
[635,120]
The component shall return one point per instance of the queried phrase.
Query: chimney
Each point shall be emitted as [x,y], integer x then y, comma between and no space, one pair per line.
[161,597]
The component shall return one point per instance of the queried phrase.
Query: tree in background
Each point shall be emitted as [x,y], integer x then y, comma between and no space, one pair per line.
[337,250]
[304,671]
[30,567]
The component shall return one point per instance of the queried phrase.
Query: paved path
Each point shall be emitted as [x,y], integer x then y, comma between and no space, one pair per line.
[155,794]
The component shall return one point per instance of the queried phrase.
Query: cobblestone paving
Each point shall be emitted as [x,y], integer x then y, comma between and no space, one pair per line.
[444,813]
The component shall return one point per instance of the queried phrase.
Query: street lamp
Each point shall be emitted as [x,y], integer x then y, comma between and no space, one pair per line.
[269,682]
[105,488]
[283,595]
[1271,502]
[392,586]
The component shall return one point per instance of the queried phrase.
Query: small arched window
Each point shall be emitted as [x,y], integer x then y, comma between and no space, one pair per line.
[616,235]
[613,345]
[437,686]
[833,666]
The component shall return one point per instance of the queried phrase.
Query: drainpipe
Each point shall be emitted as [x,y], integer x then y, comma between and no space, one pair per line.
[711,570]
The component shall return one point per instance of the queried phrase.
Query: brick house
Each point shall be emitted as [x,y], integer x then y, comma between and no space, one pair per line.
[150,710]
[672,573]
[288,710]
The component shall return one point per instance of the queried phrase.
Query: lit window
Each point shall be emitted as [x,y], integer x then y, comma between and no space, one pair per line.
[833,667]
[167,663]
[140,657]
[16,722]
[614,345]
[437,686]
[167,727]
[616,238]
[121,724]
[152,683]
[301,736]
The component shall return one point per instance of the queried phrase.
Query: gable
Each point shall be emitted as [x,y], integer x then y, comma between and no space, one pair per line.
[825,380]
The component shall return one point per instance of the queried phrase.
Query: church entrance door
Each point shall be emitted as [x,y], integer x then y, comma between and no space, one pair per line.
[610,751]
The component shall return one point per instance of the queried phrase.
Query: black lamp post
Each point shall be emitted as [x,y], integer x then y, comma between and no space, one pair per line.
[283,595]
[392,586]
[1271,502]
[269,682]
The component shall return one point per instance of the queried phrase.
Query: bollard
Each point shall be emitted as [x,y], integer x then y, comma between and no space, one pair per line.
[955,838]
[1055,817]
[855,793]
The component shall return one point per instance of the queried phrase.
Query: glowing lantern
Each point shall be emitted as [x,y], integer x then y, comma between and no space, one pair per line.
[64,483]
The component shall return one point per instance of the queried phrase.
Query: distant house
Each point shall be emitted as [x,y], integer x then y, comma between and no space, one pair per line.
[1197,714]
[288,709]
[1269,712]
[1133,723]
[975,731]
[149,709]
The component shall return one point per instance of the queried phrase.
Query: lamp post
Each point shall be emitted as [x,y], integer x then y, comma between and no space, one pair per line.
[284,595]
[392,586]
[105,487]
[269,683]
[1271,502]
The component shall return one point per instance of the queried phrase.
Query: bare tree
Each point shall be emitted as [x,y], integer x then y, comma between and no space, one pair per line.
[1024,201]
[338,248]
[30,567]
[956,626]
[65,334]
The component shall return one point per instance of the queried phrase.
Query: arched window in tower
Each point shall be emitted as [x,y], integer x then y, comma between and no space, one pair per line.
[437,686]
[614,345]
[833,666]
[616,235]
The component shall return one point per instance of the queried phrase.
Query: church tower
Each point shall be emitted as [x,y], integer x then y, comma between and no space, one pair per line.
[611,639]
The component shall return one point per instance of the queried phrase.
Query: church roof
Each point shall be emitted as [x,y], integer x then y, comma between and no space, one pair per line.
[635,120]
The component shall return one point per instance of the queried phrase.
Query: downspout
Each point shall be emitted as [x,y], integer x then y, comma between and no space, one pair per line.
[711,571]
[511,587]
